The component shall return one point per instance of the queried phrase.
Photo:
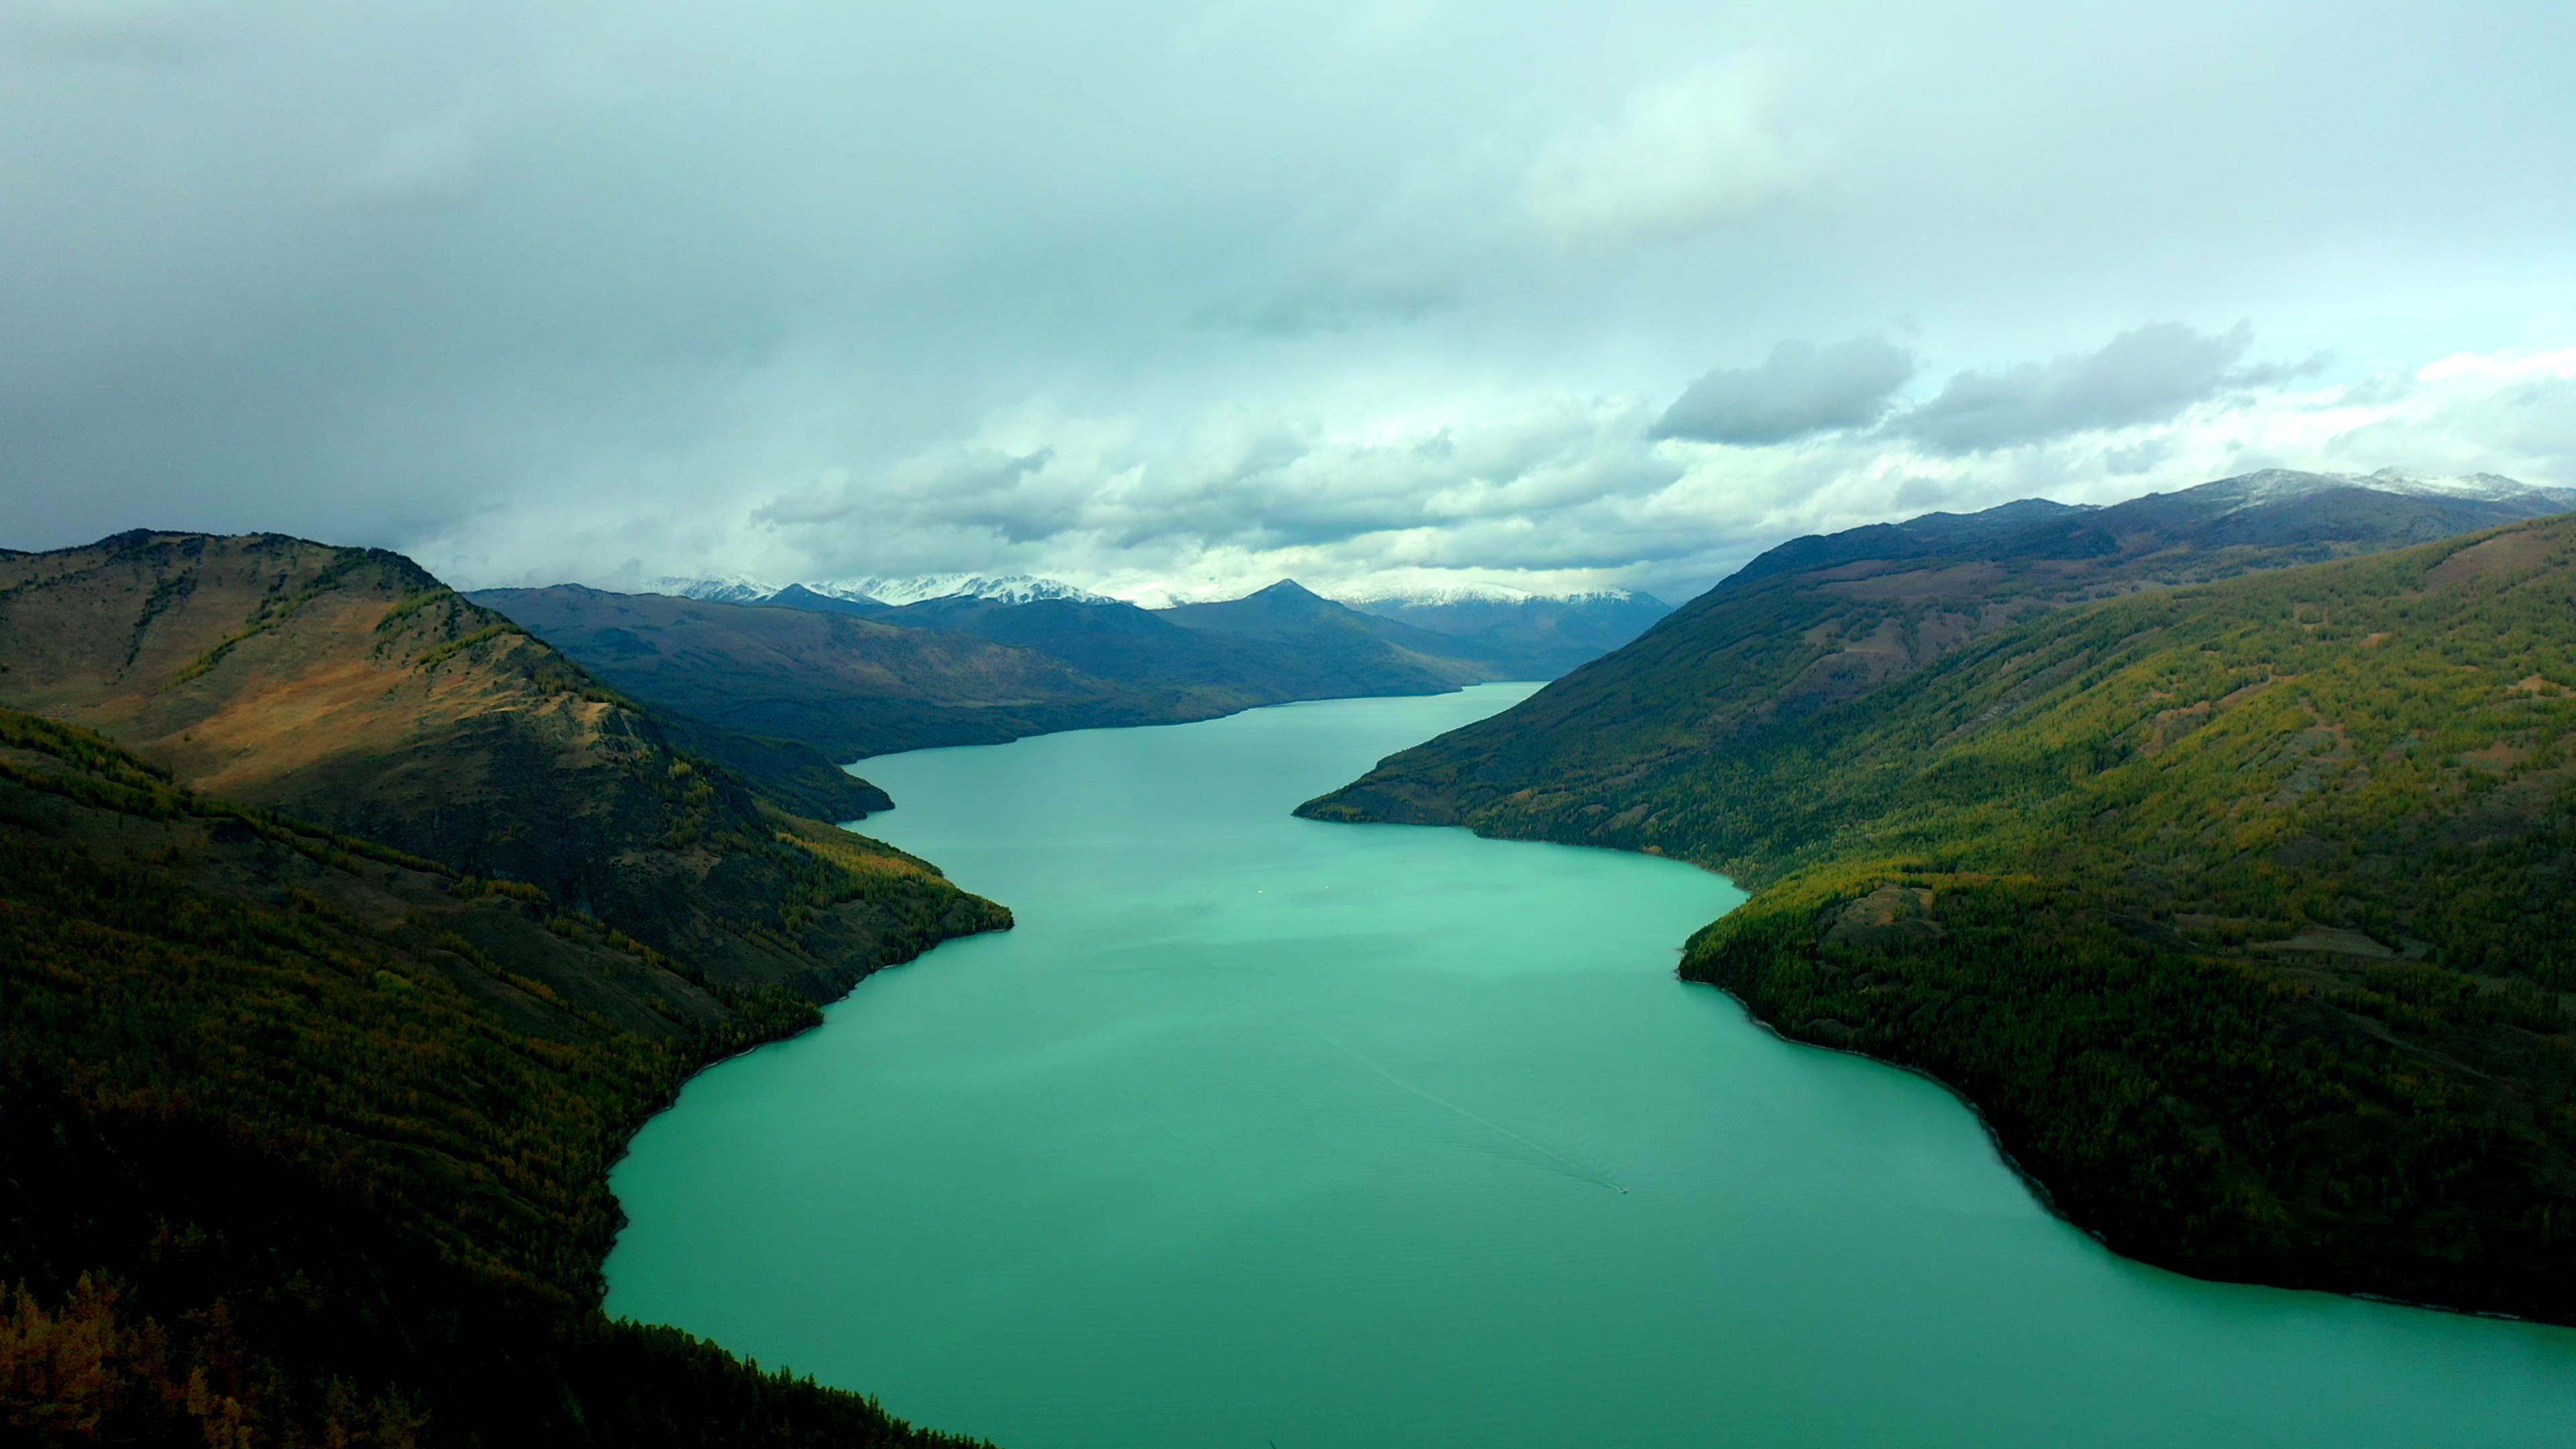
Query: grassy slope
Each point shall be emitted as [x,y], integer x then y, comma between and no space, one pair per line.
[1821,621]
[2241,909]
[304,1140]
[347,687]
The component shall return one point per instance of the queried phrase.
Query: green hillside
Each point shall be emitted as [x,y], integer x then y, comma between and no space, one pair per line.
[305,1141]
[2242,910]
[305,1127]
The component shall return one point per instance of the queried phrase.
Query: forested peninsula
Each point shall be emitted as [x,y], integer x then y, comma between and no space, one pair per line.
[2241,909]
[347,934]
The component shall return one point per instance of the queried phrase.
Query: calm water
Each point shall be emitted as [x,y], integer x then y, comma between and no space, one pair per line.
[1259,1131]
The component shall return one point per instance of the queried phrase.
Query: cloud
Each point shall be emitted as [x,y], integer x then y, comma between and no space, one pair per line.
[1802,390]
[1327,305]
[1205,293]
[2512,363]
[111,30]
[430,160]
[2148,374]
[1681,155]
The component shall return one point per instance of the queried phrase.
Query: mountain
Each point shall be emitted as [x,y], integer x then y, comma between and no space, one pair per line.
[350,688]
[1127,646]
[1004,588]
[731,589]
[304,1135]
[854,679]
[1820,621]
[1540,636]
[846,685]
[1290,622]
[797,596]
[2237,908]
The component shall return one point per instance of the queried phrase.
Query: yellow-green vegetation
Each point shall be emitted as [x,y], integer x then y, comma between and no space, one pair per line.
[307,1144]
[347,687]
[280,605]
[2243,911]
[441,653]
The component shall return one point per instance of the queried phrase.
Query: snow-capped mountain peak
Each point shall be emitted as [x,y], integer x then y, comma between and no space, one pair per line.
[1003,588]
[729,589]
[1434,594]
[2490,486]
[2275,484]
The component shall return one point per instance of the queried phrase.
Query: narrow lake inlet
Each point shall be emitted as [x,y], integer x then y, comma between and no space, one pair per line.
[1259,1130]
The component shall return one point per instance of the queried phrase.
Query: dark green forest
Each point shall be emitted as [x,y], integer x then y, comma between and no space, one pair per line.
[2243,911]
[305,1141]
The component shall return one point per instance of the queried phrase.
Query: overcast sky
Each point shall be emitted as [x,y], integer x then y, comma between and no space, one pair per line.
[1174,299]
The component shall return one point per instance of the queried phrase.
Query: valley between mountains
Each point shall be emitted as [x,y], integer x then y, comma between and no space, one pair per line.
[2218,846]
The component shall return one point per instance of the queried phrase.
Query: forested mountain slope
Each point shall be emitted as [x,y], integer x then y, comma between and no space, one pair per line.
[2242,910]
[349,688]
[304,1140]
[1823,620]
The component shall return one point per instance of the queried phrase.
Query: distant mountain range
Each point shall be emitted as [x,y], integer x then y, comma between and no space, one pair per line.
[1525,635]
[1549,634]
[2216,843]
[976,659]
[1001,588]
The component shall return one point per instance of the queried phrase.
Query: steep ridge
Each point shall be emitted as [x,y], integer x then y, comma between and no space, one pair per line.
[1820,621]
[349,688]
[2239,909]
[305,1140]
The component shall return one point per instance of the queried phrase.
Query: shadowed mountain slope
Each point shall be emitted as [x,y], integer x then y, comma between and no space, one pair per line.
[2239,909]
[305,1140]
[846,685]
[1334,641]
[971,669]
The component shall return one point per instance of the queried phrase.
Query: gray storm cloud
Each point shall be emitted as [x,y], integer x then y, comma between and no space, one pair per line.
[2148,374]
[1802,390]
[1175,294]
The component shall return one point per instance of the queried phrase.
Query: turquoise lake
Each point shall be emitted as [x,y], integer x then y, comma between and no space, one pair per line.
[1258,1131]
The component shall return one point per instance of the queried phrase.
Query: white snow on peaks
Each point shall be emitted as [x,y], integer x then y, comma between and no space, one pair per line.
[1006,588]
[731,589]
[2272,484]
[1437,595]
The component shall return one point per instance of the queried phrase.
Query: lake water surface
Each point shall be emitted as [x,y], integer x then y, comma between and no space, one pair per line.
[1259,1131]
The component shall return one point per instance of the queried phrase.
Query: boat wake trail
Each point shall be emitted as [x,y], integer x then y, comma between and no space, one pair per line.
[1554,1160]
